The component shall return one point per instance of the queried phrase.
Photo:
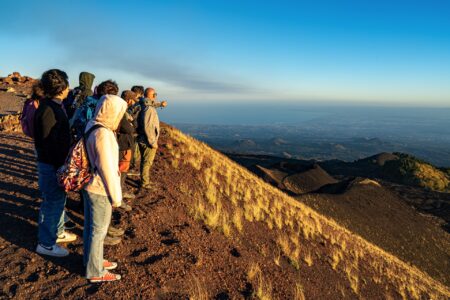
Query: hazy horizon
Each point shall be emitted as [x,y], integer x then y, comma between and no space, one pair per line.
[318,131]
[254,113]
[377,53]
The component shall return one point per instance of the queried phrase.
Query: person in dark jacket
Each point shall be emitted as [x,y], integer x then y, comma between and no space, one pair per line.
[133,111]
[125,139]
[138,90]
[77,96]
[52,142]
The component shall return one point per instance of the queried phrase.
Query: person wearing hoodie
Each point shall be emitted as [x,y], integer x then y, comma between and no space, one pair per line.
[104,190]
[148,134]
[78,95]
[52,143]
[80,120]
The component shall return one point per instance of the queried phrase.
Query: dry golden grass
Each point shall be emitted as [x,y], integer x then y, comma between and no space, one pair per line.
[262,287]
[175,163]
[308,259]
[298,292]
[277,258]
[237,220]
[226,226]
[234,197]
[198,291]
[353,278]
[253,271]
[336,258]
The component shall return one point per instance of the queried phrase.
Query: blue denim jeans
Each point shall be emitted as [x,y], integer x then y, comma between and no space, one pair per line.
[51,213]
[97,216]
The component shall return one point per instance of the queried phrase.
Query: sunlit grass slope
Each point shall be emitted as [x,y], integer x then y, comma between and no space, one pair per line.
[230,199]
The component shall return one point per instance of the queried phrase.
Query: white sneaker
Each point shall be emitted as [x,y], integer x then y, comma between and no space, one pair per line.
[66,237]
[55,250]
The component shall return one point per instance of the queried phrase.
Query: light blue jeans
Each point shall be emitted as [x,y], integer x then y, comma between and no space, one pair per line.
[51,213]
[97,216]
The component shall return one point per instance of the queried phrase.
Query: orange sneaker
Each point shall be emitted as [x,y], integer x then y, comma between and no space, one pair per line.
[105,278]
[109,265]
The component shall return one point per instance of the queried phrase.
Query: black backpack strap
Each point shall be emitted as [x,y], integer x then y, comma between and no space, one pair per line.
[87,133]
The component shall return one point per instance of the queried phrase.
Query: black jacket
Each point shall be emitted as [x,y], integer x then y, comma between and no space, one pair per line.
[51,133]
[125,133]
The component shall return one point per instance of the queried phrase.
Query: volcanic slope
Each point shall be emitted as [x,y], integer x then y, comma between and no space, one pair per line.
[378,214]
[208,229]
[409,222]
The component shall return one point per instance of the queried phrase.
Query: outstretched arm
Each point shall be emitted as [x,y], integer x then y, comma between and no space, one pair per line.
[161,104]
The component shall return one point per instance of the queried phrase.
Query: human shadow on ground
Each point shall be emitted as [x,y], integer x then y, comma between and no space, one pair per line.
[18,138]
[23,234]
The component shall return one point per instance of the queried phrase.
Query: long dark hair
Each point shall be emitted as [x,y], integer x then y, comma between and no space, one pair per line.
[54,82]
[37,92]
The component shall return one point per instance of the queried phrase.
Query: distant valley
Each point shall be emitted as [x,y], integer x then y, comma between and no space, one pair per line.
[322,140]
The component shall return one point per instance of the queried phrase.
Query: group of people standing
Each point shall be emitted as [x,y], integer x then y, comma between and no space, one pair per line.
[117,131]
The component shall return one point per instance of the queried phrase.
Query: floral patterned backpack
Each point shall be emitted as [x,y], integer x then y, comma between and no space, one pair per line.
[77,170]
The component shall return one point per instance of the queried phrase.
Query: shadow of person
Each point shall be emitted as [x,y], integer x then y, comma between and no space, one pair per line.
[19,138]
[23,234]
[17,189]
[18,153]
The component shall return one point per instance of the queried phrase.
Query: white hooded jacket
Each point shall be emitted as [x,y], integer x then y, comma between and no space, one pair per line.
[103,150]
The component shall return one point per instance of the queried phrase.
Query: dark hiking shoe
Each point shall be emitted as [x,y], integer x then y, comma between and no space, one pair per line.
[70,225]
[111,241]
[115,232]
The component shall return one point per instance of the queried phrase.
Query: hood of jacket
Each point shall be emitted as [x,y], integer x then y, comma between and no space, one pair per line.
[108,113]
[86,82]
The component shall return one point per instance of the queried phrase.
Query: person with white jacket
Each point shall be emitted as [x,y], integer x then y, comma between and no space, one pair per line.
[104,190]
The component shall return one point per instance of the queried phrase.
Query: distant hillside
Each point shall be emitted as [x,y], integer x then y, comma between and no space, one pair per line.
[396,167]
[408,169]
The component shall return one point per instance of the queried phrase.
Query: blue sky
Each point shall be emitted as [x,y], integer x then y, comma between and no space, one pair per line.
[377,52]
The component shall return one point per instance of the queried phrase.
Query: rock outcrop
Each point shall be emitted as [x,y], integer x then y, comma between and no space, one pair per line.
[16,79]
[14,89]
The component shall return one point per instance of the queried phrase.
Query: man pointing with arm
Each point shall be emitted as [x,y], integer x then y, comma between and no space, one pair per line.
[148,133]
